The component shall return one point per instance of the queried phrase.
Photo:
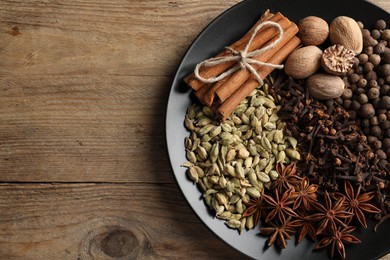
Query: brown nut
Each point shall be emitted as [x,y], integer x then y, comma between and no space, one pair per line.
[337,60]
[303,62]
[313,30]
[325,86]
[345,31]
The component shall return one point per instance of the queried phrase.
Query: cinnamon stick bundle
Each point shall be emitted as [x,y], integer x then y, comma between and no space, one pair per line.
[236,71]
[263,36]
[228,106]
[223,90]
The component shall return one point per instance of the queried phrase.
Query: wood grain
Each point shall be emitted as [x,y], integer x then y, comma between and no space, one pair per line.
[92,221]
[84,172]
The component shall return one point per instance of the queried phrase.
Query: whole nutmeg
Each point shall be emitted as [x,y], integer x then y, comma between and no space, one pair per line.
[325,86]
[345,31]
[313,30]
[367,110]
[303,62]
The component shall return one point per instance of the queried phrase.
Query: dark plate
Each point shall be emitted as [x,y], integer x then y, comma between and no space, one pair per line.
[224,30]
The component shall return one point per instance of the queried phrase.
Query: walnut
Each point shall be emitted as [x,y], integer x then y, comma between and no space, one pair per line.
[337,60]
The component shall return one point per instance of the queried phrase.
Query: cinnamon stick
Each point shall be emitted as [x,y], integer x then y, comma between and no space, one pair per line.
[240,94]
[239,77]
[264,35]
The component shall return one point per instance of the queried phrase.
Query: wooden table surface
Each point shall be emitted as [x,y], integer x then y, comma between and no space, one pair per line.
[84,172]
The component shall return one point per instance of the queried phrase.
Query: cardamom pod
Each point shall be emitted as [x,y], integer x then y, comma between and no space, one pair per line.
[233,223]
[253,192]
[293,154]
[214,152]
[203,121]
[188,123]
[191,156]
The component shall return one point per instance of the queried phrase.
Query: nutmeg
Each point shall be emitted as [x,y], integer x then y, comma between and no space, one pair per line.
[325,86]
[337,60]
[313,30]
[303,62]
[345,31]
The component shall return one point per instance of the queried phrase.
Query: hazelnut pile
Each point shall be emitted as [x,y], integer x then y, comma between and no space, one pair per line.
[367,89]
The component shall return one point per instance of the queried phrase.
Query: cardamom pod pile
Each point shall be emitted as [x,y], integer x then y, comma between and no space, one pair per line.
[232,161]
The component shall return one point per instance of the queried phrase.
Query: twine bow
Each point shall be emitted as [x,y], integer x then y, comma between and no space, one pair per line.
[243,58]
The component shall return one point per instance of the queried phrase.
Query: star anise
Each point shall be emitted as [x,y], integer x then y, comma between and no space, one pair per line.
[255,207]
[287,177]
[336,239]
[278,233]
[331,214]
[357,203]
[279,206]
[305,193]
[304,225]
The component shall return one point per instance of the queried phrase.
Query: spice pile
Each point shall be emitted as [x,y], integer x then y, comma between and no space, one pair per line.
[306,152]
[233,161]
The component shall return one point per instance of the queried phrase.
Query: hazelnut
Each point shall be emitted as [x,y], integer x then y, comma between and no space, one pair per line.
[367,111]
[325,86]
[345,31]
[337,60]
[303,62]
[313,30]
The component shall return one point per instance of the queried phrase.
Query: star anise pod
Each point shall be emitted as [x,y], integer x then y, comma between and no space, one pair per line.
[331,214]
[304,226]
[304,194]
[255,207]
[279,206]
[278,233]
[336,239]
[287,178]
[357,203]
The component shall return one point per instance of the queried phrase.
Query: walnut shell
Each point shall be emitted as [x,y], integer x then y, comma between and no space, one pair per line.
[337,60]
[325,86]
[303,62]
[345,31]
[313,30]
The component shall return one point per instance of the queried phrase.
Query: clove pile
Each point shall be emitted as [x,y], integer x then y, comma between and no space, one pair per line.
[332,143]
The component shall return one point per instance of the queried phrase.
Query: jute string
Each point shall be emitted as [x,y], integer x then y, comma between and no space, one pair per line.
[242,58]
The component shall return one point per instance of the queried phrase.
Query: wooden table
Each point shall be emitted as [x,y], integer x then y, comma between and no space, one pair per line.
[83,165]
